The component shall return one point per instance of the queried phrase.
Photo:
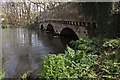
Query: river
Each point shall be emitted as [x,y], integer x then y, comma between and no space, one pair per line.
[23,50]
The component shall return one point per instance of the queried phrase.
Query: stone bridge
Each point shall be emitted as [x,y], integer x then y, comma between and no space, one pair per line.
[68,21]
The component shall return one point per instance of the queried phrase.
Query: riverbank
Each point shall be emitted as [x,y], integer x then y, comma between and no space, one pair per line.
[88,58]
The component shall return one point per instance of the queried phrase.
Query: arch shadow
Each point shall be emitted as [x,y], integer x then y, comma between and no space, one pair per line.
[41,27]
[67,35]
[68,32]
[50,28]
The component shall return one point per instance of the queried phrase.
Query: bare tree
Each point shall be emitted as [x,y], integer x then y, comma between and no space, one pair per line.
[27,11]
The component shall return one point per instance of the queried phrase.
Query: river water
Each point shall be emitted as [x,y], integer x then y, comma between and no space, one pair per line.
[23,50]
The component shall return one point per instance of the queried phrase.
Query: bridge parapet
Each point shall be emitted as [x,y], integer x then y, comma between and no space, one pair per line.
[76,23]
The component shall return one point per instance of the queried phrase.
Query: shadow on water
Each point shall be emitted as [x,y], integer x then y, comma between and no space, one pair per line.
[66,40]
[55,41]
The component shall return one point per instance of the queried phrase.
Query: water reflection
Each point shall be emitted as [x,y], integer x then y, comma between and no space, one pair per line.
[23,49]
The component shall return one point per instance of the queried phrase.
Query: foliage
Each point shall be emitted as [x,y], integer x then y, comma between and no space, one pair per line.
[69,65]
[100,11]
[77,63]
[106,15]
[24,76]
[111,49]
[2,74]
[112,44]
[110,56]
[87,45]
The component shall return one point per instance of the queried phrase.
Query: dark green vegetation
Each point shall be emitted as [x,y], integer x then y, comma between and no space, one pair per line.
[2,74]
[88,58]
[3,25]
[106,15]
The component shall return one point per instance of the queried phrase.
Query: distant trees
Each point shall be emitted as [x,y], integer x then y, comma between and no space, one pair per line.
[106,15]
[21,13]
[18,12]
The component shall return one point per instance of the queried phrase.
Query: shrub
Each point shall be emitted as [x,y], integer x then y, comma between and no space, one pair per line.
[112,44]
[2,74]
[69,65]
[77,63]
[87,45]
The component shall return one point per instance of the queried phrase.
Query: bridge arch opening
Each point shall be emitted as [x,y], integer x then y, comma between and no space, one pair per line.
[67,35]
[68,32]
[41,27]
[50,28]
